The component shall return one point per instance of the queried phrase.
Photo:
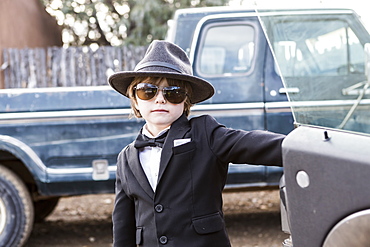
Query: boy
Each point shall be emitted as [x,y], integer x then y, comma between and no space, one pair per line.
[170,179]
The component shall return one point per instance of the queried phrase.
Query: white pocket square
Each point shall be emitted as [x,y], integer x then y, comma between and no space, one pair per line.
[179,142]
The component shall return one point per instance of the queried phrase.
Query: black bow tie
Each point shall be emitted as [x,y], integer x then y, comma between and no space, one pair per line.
[144,141]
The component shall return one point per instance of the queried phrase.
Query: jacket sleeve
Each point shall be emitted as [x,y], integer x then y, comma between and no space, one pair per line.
[123,217]
[239,147]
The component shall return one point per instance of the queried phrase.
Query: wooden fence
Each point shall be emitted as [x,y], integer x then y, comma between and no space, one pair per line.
[66,67]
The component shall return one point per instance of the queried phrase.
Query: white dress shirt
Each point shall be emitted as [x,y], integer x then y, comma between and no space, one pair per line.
[150,158]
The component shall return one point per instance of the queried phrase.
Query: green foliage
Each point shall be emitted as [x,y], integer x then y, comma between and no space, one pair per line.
[117,22]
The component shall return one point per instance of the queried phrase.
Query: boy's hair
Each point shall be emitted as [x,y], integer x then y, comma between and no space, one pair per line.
[156,81]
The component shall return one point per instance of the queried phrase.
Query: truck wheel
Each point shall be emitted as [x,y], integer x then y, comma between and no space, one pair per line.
[43,208]
[16,210]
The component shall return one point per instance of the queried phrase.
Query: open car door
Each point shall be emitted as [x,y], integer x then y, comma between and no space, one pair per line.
[324,64]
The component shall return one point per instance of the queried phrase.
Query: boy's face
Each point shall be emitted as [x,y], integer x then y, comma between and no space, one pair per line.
[158,112]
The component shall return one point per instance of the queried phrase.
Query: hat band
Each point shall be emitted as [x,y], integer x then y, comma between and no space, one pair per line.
[158,64]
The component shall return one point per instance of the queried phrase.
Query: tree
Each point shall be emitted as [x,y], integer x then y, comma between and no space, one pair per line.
[116,22]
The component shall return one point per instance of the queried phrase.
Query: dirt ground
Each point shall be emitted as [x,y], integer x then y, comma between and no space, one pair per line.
[252,218]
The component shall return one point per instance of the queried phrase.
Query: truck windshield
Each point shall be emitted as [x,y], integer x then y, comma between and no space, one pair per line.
[320,57]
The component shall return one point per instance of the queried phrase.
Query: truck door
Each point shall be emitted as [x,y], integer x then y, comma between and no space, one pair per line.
[314,50]
[321,59]
[229,52]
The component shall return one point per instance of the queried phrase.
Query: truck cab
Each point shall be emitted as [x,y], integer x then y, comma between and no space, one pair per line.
[228,47]
[314,63]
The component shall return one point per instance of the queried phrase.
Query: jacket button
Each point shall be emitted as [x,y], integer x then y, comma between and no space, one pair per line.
[158,208]
[163,240]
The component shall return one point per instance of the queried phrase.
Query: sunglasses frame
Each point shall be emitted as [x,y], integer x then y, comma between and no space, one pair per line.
[165,91]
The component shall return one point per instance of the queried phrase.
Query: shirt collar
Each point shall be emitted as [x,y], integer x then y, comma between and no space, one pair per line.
[148,134]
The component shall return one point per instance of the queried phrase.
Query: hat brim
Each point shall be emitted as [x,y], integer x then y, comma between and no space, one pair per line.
[202,90]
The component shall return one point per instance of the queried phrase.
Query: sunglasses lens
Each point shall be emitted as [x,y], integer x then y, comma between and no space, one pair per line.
[146,91]
[174,95]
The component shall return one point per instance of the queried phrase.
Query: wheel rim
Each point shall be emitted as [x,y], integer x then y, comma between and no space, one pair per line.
[351,231]
[2,216]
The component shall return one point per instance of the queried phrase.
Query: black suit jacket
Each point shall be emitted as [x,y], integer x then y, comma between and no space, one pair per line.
[186,208]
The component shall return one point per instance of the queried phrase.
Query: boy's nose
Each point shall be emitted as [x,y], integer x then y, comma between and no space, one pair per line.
[160,97]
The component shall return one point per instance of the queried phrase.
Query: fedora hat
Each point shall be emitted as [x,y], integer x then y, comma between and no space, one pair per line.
[164,59]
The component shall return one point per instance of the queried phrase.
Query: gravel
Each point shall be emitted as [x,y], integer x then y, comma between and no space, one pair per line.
[252,220]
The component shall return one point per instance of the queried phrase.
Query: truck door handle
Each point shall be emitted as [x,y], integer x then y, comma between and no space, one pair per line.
[289,90]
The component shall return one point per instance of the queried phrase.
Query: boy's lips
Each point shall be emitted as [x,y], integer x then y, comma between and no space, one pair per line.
[160,110]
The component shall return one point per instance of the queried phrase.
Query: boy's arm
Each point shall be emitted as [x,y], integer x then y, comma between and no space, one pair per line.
[123,217]
[239,146]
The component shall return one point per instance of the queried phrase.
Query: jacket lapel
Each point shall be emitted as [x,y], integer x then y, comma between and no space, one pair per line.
[177,131]
[137,170]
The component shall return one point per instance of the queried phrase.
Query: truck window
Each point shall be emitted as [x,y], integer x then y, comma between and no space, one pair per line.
[224,51]
[322,63]
[318,48]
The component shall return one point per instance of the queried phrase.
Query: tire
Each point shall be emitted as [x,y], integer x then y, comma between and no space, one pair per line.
[16,210]
[44,208]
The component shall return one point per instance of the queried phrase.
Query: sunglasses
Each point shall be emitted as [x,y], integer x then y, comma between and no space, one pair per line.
[172,94]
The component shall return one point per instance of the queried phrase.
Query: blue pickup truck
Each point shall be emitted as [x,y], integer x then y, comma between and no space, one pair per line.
[57,142]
